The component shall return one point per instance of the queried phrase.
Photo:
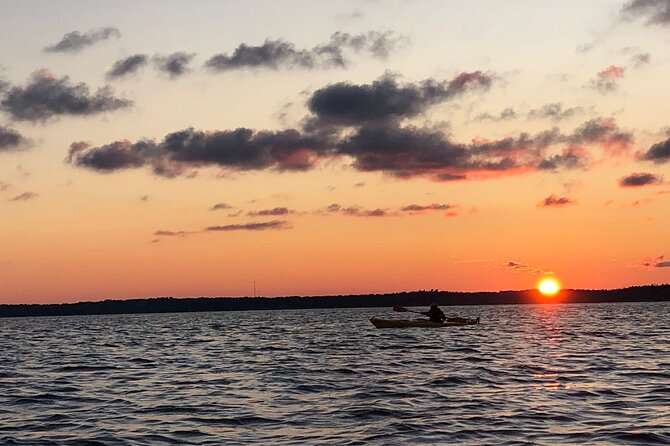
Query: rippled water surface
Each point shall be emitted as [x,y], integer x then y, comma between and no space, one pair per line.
[541,374]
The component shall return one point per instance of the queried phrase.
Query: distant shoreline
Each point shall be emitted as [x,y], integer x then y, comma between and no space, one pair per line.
[647,293]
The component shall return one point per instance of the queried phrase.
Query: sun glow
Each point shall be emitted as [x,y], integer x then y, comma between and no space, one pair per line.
[548,287]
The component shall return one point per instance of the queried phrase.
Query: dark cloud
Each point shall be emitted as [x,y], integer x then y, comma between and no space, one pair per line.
[25,196]
[606,132]
[352,104]
[220,207]
[114,156]
[4,186]
[129,65]
[639,179]
[75,41]
[658,153]
[554,111]
[174,65]
[278,211]
[45,96]
[10,139]
[655,12]
[163,233]
[276,54]
[572,157]
[240,149]
[374,142]
[505,115]
[355,211]
[606,80]
[555,201]
[417,208]
[264,226]
[144,198]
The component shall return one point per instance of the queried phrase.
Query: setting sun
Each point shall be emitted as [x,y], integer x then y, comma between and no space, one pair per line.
[548,287]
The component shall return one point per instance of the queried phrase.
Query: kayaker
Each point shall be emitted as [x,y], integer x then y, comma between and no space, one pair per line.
[435,314]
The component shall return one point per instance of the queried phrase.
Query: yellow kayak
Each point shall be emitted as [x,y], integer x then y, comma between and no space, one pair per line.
[424,323]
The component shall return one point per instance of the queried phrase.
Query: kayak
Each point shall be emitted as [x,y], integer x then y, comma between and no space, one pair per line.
[424,323]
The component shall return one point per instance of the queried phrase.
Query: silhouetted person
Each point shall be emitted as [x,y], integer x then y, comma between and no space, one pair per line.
[435,314]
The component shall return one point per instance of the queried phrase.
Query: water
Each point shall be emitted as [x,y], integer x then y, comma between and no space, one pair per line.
[544,374]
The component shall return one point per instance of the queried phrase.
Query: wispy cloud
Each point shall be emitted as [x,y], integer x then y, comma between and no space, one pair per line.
[281,54]
[263,226]
[25,196]
[522,267]
[76,41]
[278,211]
[651,263]
[555,201]
[220,207]
[127,66]
[607,80]
[174,65]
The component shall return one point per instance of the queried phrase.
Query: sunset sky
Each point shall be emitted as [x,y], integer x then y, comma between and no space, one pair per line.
[173,148]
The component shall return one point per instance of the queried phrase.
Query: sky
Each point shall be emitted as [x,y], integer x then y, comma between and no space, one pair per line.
[171,148]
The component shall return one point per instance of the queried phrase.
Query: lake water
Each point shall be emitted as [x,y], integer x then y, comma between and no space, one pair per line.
[535,374]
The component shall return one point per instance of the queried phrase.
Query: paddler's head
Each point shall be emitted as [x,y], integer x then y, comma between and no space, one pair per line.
[433,305]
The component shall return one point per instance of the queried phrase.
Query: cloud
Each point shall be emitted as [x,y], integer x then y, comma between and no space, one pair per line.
[264,226]
[127,66]
[419,209]
[362,125]
[25,196]
[640,59]
[555,201]
[572,157]
[45,96]
[220,207]
[280,54]
[163,233]
[239,149]
[606,80]
[522,267]
[10,139]
[278,211]
[387,99]
[606,132]
[554,112]
[76,41]
[655,12]
[355,211]
[4,186]
[174,65]
[651,263]
[505,115]
[659,153]
[639,179]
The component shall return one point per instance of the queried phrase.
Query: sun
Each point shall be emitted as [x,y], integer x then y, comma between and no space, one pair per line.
[549,286]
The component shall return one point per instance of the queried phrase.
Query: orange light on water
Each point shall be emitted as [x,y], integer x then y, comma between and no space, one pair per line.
[549,286]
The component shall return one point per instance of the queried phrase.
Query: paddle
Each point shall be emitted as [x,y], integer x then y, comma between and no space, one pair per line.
[400,309]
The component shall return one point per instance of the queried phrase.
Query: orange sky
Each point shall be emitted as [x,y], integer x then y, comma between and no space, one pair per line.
[455,159]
